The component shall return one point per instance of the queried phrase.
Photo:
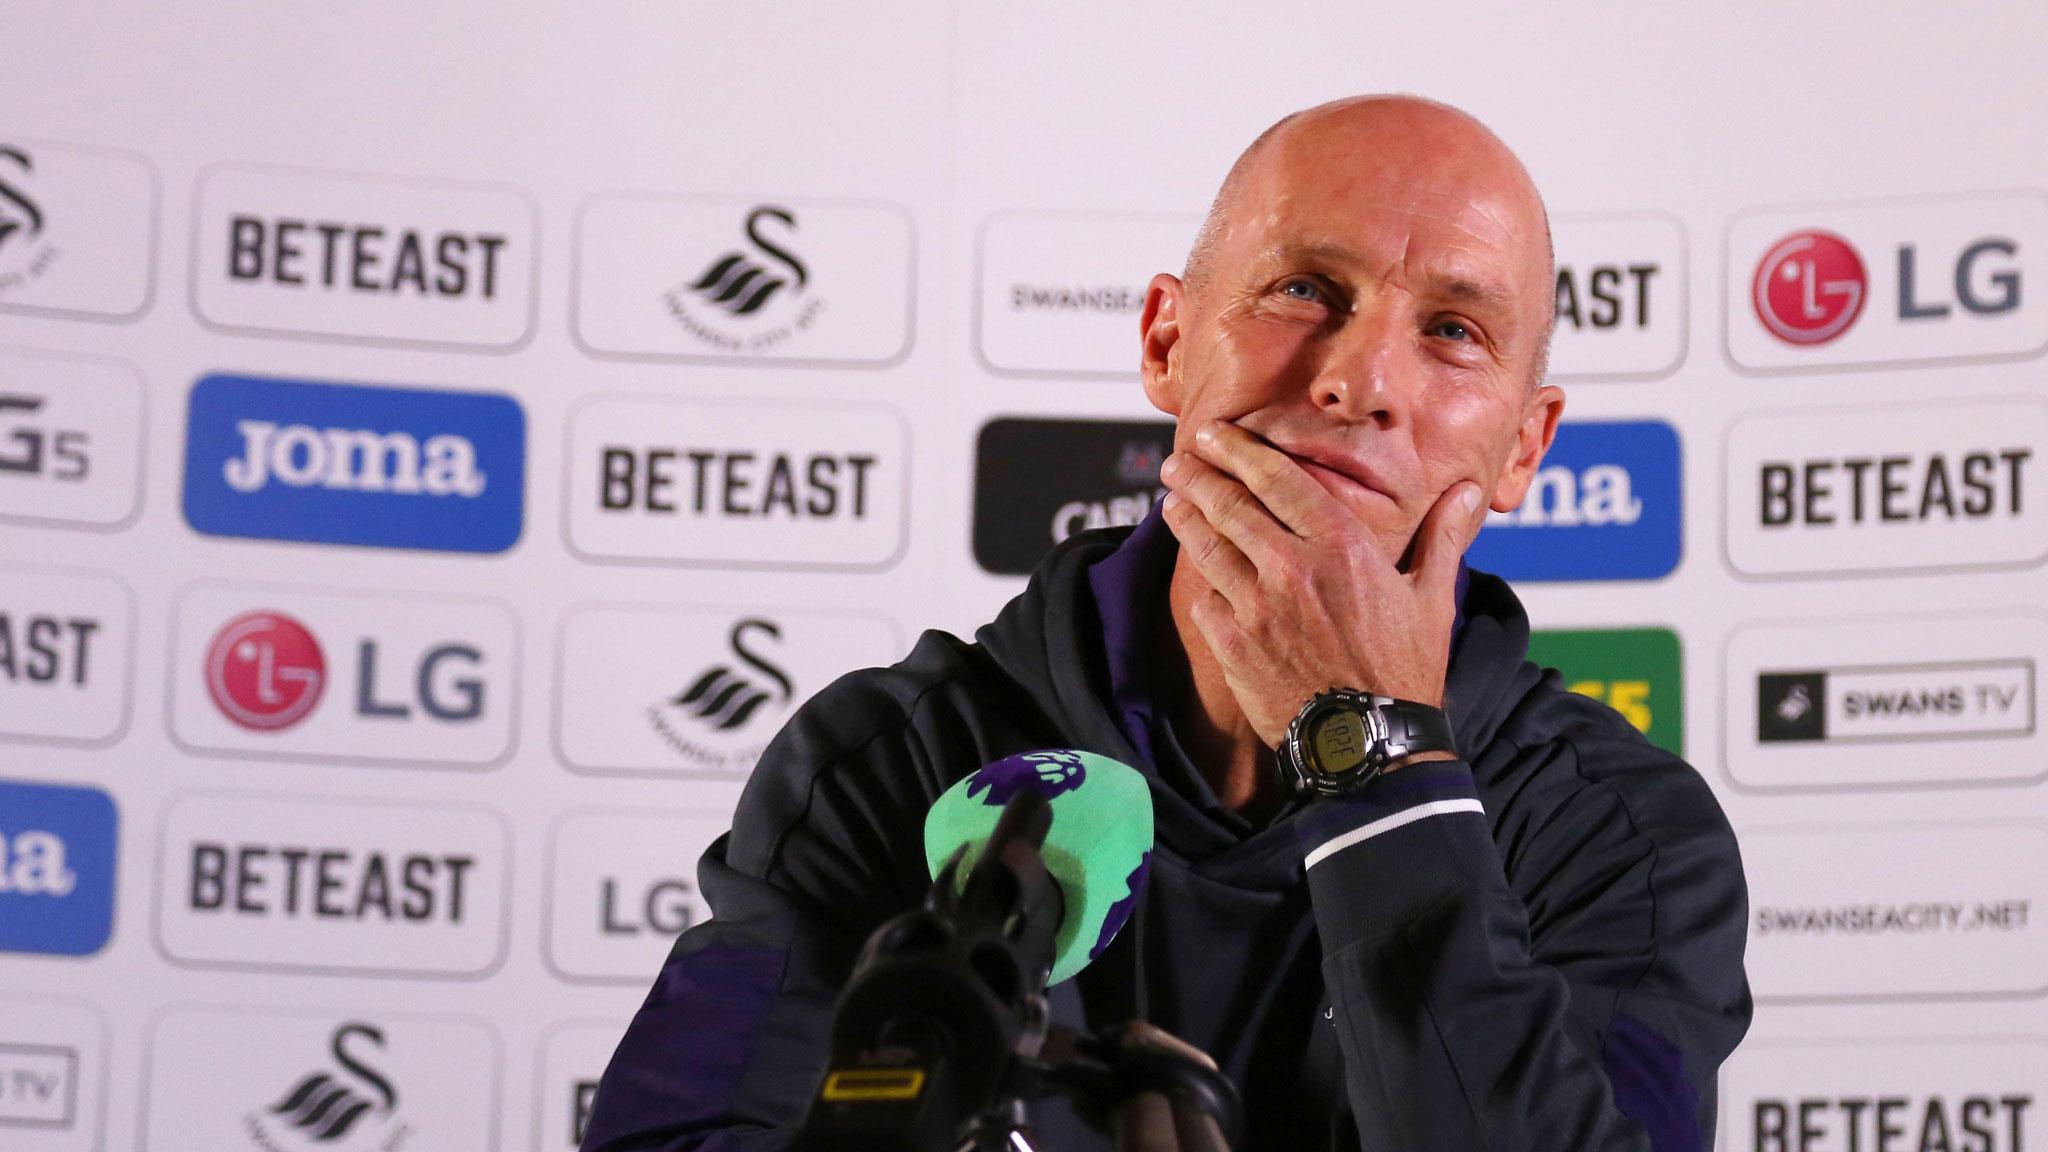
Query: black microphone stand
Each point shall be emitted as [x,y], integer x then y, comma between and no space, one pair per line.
[943,1033]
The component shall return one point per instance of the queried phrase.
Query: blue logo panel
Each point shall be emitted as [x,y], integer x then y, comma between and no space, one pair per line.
[56,868]
[349,464]
[1606,505]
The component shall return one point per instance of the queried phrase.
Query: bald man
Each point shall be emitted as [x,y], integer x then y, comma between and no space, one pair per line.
[1407,891]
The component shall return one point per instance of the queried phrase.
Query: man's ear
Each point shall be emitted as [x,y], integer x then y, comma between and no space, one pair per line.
[1532,440]
[1159,341]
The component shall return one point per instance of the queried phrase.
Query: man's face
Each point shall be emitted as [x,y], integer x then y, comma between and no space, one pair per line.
[1374,306]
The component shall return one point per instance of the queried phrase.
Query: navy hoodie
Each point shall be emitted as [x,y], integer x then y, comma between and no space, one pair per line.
[1537,946]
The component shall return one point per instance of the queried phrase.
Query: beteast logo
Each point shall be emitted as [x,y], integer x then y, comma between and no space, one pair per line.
[723,697]
[350,464]
[1916,701]
[1037,482]
[1605,505]
[325,1106]
[1620,296]
[1894,282]
[737,484]
[1887,489]
[24,251]
[64,649]
[56,868]
[1810,287]
[274,882]
[265,671]
[1992,1122]
[1873,1094]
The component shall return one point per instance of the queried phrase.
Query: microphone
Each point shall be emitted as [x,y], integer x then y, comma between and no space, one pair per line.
[1037,860]
[1099,849]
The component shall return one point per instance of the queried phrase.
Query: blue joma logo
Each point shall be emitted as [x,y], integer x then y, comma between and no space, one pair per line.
[347,464]
[1605,505]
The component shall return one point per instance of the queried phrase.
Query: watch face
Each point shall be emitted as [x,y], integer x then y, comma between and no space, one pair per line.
[1339,741]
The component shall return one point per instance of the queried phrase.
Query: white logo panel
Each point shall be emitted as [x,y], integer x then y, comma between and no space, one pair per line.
[227,1080]
[268,882]
[300,674]
[698,690]
[53,1058]
[1621,294]
[1888,489]
[573,1058]
[1923,1094]
[66,647]
[71,433]
[77,231]
[1886,703]
[1062,293]
[1902,282]
[622,887]
[734,280]
[809,486]
[311,253]
[1852,913]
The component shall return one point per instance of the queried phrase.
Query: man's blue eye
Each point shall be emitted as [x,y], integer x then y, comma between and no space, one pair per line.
[1302,290]
[1451,329]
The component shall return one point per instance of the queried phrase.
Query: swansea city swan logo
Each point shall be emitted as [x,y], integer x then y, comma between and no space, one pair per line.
[752,298]
[724,701]
[348,1105]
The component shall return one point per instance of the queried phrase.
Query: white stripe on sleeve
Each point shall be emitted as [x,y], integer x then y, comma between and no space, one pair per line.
[1389,823]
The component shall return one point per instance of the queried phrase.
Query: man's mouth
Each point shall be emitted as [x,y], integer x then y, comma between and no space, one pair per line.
[1342,478]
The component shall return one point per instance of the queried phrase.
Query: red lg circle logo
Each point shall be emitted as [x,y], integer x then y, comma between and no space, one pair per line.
[1809,287]
[264,671]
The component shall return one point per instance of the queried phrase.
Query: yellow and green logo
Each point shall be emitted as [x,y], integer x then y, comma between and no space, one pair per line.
[1635,671]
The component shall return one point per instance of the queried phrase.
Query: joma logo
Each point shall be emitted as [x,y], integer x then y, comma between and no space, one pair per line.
[353,459]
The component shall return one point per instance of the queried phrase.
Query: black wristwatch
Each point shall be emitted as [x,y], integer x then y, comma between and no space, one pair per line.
[1341,739]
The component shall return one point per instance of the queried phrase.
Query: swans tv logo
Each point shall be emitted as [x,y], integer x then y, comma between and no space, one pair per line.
[1037,482]
[347,1083]
[1605,505]
[1907,281]
[56,868]
[344,464]
[740,280]
[656,690]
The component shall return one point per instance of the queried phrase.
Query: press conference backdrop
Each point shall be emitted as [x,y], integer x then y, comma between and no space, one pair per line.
[438,450]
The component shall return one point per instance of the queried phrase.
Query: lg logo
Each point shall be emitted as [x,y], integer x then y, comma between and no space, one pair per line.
[1812,285]
[265,671]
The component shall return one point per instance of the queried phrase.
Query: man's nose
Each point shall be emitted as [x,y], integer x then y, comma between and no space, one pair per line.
[1366,375]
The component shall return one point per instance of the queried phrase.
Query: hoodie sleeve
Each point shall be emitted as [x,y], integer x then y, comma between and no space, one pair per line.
[728,1047]
[1564,973]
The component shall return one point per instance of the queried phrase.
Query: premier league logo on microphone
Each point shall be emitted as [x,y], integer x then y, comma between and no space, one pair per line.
[1049,774]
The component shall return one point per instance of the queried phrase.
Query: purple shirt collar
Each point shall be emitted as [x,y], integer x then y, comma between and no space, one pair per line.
[1130,588]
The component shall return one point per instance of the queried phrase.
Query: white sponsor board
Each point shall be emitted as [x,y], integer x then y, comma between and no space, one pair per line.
[621,886]
[697,690]
[1895,282]
[71,440]
[53,1066]
[1061,293]
[1924,911]
[77,231]
[66,653]
[741,280]
[1621,297]
[1891,702]
[572,1059]
[364,257]
[1888,489]
[302,674]
[747,485]
[1983,1093]
[230,1080]
[323,886]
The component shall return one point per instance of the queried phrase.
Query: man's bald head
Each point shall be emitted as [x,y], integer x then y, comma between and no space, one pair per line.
[1363,130]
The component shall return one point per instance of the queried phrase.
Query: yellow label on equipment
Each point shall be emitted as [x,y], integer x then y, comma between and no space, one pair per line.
[873,1084]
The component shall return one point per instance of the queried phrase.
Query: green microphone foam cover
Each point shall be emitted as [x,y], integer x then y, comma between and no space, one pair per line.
[1098,851]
